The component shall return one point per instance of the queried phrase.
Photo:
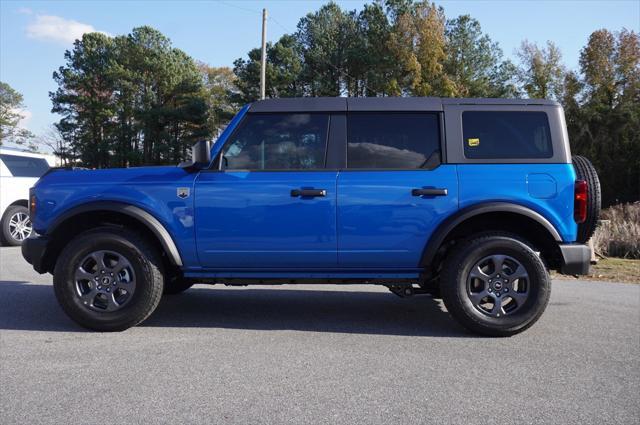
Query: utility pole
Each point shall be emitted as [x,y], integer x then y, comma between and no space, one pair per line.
[263,62]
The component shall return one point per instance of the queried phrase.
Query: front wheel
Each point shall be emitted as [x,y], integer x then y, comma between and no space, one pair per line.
[495,285]
[16,225]
[108,279]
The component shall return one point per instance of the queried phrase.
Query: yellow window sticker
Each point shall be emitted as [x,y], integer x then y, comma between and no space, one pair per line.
[474,142]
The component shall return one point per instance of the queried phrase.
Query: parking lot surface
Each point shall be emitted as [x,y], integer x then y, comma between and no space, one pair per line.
[316,354]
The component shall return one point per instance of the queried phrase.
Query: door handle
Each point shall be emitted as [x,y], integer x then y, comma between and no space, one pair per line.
[429,192]
[308,193]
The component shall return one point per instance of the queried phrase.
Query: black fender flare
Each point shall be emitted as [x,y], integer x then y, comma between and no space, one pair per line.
[443,230]
[149,221]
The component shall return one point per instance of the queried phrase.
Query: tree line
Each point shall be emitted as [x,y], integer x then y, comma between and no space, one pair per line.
[135,99]
[129,100]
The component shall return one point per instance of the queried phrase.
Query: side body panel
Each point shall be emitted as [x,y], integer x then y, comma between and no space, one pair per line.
[248,219]
[380,223]
[544,188]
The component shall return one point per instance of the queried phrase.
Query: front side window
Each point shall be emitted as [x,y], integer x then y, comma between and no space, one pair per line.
[25,166]
[506,135]
[278,141]
[393,140]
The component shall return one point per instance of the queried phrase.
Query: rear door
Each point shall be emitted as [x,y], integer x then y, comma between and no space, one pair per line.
[273,203]
[394,190]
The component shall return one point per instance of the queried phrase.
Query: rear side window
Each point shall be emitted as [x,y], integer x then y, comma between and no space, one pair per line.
[393,140]
[278,141]
[506,134]
[24,166]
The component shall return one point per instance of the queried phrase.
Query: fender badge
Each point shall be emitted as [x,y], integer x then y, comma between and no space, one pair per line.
[183,192]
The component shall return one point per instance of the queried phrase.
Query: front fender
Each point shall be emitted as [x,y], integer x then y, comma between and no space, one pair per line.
[144,217]
[156,191]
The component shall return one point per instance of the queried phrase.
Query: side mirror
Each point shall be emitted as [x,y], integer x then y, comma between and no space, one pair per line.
[201,152]
[200,156]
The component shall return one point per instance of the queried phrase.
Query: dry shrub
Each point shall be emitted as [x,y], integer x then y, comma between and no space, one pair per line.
[619,233]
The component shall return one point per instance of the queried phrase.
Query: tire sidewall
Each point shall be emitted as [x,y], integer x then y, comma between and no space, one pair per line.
[65,288]
[539,285]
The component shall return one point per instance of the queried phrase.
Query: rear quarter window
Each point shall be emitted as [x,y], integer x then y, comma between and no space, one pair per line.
[24,166]
[506,135]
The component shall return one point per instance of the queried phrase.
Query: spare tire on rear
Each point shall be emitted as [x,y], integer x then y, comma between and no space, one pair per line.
[585,171]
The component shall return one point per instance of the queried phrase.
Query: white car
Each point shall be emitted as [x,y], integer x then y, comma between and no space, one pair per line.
[18,172]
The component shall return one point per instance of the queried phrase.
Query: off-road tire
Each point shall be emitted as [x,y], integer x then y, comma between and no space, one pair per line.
[585,171]
[146,263]
[456,269]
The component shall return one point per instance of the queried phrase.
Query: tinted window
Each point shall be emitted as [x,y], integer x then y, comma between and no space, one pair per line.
[278,142]
[392,140]
[24,166]
[489,135]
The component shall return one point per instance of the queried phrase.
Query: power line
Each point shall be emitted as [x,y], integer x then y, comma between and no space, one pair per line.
[275,21]
[240,7]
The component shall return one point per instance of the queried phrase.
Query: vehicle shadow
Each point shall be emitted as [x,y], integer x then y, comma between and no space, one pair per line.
[342,311]
[25,306]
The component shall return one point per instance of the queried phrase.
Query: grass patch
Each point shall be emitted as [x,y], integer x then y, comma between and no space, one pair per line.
[611,269]
[619,233]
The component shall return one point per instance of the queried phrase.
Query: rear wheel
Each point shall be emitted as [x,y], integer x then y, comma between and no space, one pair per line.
[495,285]
[16,225]
[108,279]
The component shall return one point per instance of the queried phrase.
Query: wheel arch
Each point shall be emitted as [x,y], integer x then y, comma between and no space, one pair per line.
[493,216]
[85,216]
[21,202]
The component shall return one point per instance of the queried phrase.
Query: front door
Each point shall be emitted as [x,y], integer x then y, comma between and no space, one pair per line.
[272,205]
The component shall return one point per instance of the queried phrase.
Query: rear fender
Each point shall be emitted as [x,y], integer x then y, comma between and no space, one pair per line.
[447,226]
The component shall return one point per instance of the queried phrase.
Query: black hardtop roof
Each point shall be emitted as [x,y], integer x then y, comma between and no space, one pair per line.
[344,104]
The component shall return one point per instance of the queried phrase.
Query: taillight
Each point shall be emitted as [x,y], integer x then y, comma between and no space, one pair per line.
[580,201]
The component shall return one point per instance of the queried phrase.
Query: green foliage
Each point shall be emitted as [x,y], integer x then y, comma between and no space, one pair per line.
[475,62]
[541,72]
[326,37]
[284,67]
[10,116]
[220,89]
[130,100]
[602,108]
[390,48]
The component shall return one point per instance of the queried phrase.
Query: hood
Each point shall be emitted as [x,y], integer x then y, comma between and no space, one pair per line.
[110,176]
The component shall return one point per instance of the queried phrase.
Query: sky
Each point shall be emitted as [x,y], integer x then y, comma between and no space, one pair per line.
[35,34]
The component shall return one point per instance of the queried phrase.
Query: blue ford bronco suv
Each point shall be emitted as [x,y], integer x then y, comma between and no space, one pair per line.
[470,200]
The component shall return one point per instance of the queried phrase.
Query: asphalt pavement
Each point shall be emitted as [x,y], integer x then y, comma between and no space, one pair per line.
[316,354]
